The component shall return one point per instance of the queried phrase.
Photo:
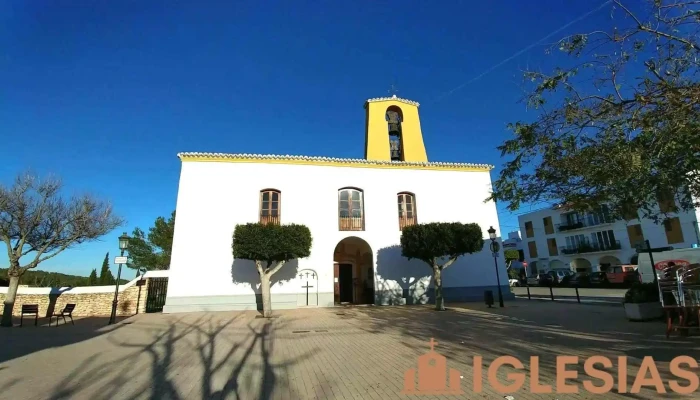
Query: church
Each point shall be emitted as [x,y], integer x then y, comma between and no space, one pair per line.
[355,210]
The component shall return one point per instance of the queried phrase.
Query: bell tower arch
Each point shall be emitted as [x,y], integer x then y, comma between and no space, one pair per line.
[392,131]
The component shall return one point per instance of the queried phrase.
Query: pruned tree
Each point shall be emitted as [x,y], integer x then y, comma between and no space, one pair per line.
[619,125]
[152,251]
[270,247]
[37,224]
[510,255]
[439,244]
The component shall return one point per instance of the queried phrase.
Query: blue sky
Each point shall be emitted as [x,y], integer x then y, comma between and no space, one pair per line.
[105,94]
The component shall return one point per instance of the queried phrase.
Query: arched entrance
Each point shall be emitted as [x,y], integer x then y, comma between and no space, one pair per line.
[581,265]
[558,265]
[608,261]
[353,272]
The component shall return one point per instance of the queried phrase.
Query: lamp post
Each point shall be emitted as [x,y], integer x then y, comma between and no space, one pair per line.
[123,245]
[494,249]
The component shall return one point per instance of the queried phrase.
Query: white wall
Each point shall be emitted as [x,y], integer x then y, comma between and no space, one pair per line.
[215,196]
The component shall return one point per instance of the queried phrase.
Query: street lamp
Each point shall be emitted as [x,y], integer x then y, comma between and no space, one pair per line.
[123,246]
[494,250]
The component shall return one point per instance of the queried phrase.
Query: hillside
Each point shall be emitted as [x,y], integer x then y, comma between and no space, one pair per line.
[40,278]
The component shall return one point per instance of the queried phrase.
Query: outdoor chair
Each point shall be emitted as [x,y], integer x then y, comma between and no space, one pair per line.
[29,309]
[67,311]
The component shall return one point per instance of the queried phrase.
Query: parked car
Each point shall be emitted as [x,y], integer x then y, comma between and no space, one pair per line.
[533,280]
[513,282]
[545,279]
[558,276]
[622,274]
[598,278]
[579,279]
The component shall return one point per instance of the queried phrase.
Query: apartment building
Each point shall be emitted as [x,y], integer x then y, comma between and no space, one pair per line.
[558,238]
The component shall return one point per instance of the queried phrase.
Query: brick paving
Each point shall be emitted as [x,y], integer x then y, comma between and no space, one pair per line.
[317,353]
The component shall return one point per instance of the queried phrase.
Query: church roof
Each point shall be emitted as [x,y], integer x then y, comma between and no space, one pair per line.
[393,98]
[331,161]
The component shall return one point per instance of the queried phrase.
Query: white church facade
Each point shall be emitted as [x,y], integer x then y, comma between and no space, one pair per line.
[355,210]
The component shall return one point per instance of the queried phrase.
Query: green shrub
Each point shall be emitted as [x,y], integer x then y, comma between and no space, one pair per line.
[642,293]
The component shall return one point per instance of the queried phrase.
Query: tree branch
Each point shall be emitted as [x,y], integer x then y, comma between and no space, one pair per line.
[277,267]
[449,262]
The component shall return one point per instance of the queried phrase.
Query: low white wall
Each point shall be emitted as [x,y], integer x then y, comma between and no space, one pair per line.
[86,289]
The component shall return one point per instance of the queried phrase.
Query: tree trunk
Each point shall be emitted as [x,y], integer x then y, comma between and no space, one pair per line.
[266,299]
[439,300]
[10,301]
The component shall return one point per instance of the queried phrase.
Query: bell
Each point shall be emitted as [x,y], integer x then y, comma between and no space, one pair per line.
[393,117]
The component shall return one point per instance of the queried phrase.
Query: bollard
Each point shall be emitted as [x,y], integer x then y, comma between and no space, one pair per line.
[577,296]
[528,291]
[488,298]
[551,293]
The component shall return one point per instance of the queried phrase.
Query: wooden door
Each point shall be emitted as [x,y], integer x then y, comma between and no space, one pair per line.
[346,283]
[336,284]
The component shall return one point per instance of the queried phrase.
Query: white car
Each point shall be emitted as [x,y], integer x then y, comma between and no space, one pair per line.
[513,282]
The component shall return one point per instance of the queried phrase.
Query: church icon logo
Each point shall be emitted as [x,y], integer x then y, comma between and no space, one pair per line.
[432,375]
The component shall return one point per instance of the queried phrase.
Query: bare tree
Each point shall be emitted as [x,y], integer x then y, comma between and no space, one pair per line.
[36,224]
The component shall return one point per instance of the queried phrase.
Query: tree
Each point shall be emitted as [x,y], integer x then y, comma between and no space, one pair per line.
[152,251]
[92,279]
[106,277]
[510,255]
[433,242]
[619,127]
[270,246]
[37,224]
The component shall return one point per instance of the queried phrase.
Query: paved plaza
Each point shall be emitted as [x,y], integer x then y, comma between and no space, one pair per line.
[338,353]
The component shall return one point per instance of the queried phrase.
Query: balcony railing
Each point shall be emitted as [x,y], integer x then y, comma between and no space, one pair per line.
[270,219]
[406,221]
[590,247]
[351,223]
[569,226]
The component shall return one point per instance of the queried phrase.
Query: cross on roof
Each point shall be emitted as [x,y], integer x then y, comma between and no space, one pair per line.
[432,344]
[393,90]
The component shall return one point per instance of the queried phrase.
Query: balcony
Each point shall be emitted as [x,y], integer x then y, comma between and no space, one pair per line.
[590,248]
[570,226]
[270,219]
[406,221]
[351,223]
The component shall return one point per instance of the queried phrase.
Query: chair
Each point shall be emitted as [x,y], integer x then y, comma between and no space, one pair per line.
[67,311]
[29,309]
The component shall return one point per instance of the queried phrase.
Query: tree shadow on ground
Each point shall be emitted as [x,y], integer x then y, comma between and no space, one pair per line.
[469,330]
[222,355]
[19,342]
[245,272]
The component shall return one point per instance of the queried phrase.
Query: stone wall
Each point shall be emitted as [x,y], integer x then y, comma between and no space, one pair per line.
[87,304]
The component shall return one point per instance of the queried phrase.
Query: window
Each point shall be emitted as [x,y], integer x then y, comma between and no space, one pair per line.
[574,242]
[636,235]
[532,247]
[350,210]
[528,229]
[407,210]
[674,234]
[548,227]
[667,203]
[552,247]
[629,212]
[270,200]
[604,240]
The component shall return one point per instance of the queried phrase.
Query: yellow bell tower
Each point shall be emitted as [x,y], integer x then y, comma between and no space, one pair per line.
[393,130]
